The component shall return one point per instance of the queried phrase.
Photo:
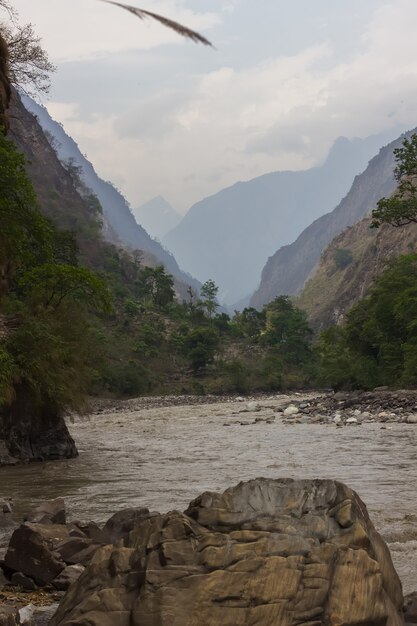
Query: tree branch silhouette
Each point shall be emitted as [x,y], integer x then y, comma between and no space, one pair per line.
[175,26]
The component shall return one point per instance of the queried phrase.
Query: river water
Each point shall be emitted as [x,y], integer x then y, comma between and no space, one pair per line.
[164,457]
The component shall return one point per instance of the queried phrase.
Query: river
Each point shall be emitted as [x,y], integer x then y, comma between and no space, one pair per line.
[164,457]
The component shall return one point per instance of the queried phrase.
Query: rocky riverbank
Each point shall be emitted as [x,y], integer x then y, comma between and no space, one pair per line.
[381,405]
[151,452]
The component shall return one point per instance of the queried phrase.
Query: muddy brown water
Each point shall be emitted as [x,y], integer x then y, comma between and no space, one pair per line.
[164,457]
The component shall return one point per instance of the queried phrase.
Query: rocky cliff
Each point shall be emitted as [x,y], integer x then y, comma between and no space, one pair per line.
[348,268]
[288,269]
[229,236]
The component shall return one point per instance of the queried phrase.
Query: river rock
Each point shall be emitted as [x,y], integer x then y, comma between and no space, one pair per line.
[352,420]
[253,406]
[48,512]
[291,410]
[75,550]
[88,529]
[67,577]
[32,551]
[121,523]
[7,507]
[267,552]
[26,614]
[20,580]
[412,419]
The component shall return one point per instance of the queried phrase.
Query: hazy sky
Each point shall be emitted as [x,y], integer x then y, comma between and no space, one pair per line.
[159,115]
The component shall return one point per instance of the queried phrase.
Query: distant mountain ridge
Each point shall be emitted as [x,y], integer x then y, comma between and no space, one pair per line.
[157,217]
[116,210]
[289,268]
[229,236]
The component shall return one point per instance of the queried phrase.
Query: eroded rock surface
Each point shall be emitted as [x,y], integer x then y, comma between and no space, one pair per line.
[266,552]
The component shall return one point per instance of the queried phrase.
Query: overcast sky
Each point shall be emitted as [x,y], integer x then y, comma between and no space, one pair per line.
[159,115]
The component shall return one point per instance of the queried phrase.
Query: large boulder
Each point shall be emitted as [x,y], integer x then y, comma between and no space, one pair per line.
[267,552]
[32,551]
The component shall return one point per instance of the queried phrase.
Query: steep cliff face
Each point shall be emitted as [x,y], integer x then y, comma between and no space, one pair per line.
[288,269]
[348,268]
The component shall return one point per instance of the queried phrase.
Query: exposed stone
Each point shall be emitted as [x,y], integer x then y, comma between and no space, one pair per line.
[72,546]
[267,552]
[291,410]
[32,551]
[121,523]
[253,406]
[26,614]
[20,580]
[7,507]
[90,530]
[67,577]
[412,419]
[48,512]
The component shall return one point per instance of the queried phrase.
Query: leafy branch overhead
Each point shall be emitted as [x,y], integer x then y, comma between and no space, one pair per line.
[175,26]
[401,208]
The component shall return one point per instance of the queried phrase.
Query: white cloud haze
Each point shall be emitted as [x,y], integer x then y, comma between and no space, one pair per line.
[158,116]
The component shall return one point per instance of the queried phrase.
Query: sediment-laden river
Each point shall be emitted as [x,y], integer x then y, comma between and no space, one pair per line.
[164,457]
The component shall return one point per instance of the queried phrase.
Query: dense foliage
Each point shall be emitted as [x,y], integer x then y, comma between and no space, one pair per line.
[378,343]
[401,208]
[48,352]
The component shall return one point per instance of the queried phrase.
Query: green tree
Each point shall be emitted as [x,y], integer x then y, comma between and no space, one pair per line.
[401,208]
[250,323]
[52,285]
[26,237]
[208,293]
[288,331]
[200,346]
[158,286]
[378,343]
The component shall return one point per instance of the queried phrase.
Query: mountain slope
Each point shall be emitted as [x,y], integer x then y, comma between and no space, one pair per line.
[333,290]
[288,269]
[229,236]
[115,207]
[157,217]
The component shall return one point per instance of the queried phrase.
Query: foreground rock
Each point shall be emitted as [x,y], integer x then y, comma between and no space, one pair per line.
[267,552]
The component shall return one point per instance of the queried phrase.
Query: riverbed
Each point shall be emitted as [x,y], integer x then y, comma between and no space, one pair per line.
[162,457]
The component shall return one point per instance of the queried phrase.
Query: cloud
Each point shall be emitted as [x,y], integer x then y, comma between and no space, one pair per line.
[283,112]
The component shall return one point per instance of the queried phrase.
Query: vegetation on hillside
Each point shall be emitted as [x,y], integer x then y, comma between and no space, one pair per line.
[401,208]
[377,345]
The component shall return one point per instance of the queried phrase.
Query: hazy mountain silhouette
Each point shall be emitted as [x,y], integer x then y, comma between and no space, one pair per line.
[157,217]
[230,235]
